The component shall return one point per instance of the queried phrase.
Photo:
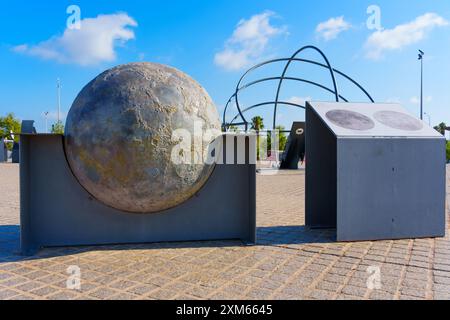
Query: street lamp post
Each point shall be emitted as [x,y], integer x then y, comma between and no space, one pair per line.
[58,93]
[429,118]
[46,121]
[421,54]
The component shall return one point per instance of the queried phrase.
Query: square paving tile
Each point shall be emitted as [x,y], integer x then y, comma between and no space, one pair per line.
[289,261]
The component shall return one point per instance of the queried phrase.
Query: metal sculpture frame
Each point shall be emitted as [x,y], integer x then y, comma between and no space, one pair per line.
[240,87]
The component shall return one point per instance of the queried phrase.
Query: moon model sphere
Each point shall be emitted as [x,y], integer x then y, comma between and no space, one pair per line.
[119,137]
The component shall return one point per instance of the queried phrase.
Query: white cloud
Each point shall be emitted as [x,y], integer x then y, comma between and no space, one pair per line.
[331,28]
[141,56]
[248,42]
[393,100]
[416,100]
[299,100]
[93,43]
[402,35]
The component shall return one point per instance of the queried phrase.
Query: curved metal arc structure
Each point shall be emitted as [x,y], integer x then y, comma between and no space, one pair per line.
[293,58]
[294,79]
[336,92]
[315,63]
[281,102]
[265,104]
[235,95]
[290,78]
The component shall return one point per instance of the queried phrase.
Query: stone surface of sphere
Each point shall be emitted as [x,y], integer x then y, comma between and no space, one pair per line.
[119,142]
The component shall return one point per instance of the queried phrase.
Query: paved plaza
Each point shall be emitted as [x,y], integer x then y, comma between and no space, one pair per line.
[288,262]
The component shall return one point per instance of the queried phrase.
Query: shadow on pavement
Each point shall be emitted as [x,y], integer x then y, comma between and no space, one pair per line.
[266,236]
[285,235]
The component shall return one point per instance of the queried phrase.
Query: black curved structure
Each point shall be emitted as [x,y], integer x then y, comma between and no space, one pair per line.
[294,58]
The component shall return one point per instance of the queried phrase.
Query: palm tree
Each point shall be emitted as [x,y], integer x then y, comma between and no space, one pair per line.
[257,125]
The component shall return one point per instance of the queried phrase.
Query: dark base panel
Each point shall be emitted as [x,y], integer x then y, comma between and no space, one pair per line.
[57,211]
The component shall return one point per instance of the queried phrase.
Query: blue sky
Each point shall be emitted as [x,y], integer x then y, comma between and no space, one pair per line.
[216,41]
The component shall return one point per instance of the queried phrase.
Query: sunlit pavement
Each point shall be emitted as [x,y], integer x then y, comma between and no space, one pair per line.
[289,261]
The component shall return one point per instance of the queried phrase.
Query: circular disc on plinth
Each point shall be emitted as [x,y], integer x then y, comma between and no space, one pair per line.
[350,120]
[398,120]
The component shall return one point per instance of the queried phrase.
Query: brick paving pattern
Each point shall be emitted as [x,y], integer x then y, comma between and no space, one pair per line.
[289,261]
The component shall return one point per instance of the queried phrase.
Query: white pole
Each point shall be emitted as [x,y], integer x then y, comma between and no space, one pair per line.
[429,118]
[46,122]
[58,86]
[421,54]
[421,89]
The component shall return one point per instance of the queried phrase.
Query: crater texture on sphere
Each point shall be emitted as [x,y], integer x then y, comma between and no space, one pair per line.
[118,137]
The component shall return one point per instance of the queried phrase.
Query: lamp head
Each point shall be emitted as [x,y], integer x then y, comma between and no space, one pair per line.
[421,54]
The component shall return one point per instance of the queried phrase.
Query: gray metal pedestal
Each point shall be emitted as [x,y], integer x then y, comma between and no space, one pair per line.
[3,151]
[373,172]
[57,211]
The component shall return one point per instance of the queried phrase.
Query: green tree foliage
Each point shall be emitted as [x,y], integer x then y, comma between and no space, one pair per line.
[264,144]
[448,151]
[257,125]
[9,123]
[441,128]
[282,138]
[58,128]
[234,128]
